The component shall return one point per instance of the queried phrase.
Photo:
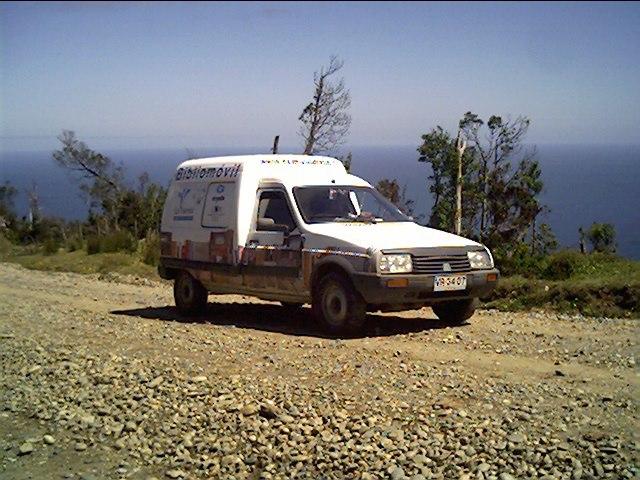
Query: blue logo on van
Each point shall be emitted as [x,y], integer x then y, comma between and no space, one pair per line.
[220,189]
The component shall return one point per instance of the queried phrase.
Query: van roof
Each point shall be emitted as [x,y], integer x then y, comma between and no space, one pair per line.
[200,162]
[318,170]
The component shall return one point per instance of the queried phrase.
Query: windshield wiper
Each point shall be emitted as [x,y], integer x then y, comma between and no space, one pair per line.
[361,217]
[321,216]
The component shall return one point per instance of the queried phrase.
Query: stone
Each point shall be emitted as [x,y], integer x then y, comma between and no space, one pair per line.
[174,473]
[80,446]
[156,382]
[268,411]
[397,474]
[87,420]
[26,448]
[49,440]
[249,409]
[517,438]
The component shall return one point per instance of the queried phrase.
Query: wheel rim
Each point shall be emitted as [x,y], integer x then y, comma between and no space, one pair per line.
[186,291]
[334,304]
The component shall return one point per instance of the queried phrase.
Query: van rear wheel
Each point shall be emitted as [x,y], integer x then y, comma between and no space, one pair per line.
[337,305]
[189,294]
[455,312]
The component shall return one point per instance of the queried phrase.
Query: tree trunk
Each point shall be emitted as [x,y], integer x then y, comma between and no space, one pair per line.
[533,236]
[483,207]
[461,145]
[311,140]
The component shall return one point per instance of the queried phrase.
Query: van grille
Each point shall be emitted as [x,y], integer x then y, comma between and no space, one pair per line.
[435,265]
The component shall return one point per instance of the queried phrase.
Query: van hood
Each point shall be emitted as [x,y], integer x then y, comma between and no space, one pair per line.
[387,235]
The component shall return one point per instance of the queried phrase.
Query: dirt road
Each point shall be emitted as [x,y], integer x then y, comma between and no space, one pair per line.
[102,379]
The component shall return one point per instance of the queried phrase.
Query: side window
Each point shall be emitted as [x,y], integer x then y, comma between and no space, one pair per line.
[274,213]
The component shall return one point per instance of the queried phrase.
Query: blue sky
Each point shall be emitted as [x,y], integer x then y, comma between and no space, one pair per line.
[150,74]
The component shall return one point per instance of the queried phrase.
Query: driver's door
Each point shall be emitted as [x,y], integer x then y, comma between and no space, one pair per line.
[273,253]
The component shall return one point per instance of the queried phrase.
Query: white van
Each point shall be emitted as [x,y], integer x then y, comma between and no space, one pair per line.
[299,229]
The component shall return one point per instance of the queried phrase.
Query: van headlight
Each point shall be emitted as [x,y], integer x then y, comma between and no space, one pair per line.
[395,263]
[480,259]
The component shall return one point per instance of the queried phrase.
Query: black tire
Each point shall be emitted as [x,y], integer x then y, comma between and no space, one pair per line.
[189,294]
[337,305]
[455,312]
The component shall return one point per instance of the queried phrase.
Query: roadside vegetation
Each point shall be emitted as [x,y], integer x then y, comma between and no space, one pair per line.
[596,284]
[79,260]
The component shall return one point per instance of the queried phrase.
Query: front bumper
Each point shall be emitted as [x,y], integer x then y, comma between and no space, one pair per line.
[419,289]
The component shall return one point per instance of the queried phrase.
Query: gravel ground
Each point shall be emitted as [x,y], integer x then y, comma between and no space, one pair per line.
[101,379]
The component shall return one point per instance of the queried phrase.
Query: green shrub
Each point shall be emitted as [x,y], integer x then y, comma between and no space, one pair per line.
[74,243]
[93,245]
[602,237]
[121,241]
[562,265]
[6,247]
[151,249]
[50,246]
[519,261]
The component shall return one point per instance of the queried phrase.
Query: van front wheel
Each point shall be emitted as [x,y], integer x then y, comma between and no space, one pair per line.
[337,305]
[189,294]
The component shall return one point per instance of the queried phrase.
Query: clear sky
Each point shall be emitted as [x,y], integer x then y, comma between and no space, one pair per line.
[234,74]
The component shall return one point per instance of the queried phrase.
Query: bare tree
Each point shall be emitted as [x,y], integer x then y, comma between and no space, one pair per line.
[76,157]
[100,179]
[325,121]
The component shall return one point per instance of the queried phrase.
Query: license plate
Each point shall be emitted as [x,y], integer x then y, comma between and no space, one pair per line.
[445,283]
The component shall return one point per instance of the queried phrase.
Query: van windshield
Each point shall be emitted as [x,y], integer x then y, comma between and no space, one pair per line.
[325,204]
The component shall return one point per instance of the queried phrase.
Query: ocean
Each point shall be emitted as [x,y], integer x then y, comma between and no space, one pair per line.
[583,184]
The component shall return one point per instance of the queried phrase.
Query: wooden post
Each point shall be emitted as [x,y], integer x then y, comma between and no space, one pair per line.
[461,146]
[274,150]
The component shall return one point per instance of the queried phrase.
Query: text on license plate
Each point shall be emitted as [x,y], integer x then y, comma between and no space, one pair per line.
[443,283]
